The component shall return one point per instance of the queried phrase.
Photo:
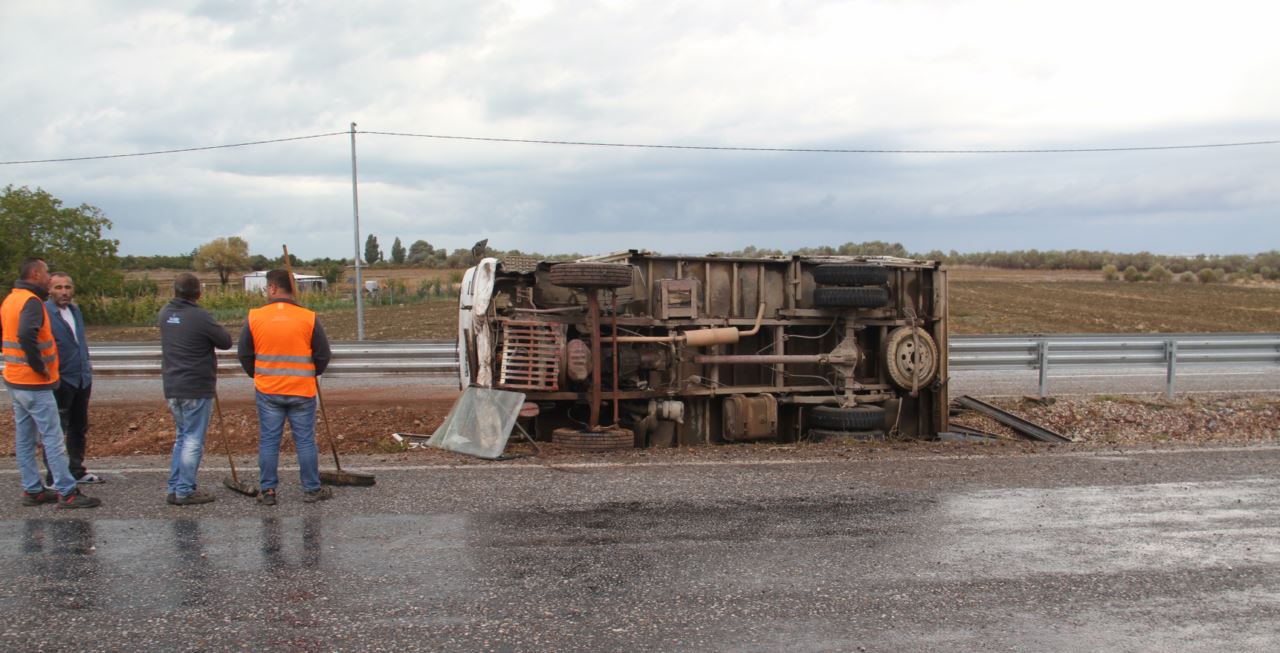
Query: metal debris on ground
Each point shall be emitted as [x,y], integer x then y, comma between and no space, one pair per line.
[1022,426]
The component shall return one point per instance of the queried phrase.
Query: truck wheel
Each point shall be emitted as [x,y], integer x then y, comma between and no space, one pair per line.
[591,275]
[825,435]
[856,297]
[857,418]
[843,274]
[910,358]
[606,440]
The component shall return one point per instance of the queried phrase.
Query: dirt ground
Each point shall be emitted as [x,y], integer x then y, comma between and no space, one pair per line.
[363,421]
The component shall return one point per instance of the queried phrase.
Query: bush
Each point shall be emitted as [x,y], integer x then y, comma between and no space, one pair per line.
[1266,272]
[1131,274]
[1158,274]
[1207,275]
[1110,273]
[1187,277]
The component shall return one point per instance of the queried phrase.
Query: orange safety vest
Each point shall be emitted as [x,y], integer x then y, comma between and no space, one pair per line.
[16,369]
[282,349]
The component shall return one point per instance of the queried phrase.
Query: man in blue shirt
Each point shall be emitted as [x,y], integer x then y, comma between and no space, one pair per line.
[72,394]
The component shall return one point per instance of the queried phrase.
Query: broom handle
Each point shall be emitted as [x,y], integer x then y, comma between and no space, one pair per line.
[222,433]
[324,415]
[333,445]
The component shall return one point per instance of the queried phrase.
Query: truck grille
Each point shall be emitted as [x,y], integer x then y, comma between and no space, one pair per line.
[530,354]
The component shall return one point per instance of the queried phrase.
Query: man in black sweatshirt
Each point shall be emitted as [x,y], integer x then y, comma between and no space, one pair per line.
[189,369]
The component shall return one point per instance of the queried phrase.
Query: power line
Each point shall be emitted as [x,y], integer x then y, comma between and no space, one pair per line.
[823,150]
[658,147]
[185,149]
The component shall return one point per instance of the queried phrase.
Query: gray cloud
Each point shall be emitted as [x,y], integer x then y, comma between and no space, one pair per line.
[92,78]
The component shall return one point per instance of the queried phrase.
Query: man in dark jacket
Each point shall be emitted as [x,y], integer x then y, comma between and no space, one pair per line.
[189,369]
[67,323]
[31,375]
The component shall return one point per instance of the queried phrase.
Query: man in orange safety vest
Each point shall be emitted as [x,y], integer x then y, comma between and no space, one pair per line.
[284,348]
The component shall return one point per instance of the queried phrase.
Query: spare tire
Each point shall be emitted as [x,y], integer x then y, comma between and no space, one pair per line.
[857,418]
[844,274]
[591,275]
[605,440]
[824,435]
[856,297]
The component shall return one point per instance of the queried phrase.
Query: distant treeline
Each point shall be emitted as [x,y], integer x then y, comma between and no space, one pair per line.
[422,254]
[1034,259]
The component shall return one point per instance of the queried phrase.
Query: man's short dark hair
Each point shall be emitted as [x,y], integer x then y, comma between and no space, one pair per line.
[60,273]
[281,280]
[186,286]
[29,267]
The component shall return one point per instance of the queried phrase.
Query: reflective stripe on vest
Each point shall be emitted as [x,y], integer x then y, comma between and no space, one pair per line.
[16,368]
[282,349]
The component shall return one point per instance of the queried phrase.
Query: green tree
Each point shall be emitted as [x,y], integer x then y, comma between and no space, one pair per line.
[259,263]
[35,223]
[331,270]
[420,252]
[224,256]
[397,252]
[372,254]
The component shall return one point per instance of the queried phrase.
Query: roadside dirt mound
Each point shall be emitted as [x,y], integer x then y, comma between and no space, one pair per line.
[364,420]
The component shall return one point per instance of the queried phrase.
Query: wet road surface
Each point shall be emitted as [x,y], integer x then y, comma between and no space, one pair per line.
[1144,551]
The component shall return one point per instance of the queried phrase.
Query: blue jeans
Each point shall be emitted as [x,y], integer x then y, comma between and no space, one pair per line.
[191,419]
[35,419]
[301,412]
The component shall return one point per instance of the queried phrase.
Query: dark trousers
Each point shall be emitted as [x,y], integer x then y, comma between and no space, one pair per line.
[73,410]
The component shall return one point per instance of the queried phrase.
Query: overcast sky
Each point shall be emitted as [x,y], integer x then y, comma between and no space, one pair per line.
[97,77]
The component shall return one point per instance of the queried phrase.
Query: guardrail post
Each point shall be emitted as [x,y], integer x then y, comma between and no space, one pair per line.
[1042,361]
[1171,359]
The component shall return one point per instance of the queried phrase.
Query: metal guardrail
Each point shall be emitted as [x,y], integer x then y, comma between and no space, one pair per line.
[438,358]
[382,358]
[1168,351]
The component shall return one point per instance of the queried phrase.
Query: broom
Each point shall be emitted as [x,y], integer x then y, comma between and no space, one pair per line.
[234,484]
[339,476]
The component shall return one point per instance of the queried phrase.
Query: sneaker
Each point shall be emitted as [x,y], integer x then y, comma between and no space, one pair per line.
[192,499]
[322,494]
[47,495]
[90,479]
[77,500]
[267,497]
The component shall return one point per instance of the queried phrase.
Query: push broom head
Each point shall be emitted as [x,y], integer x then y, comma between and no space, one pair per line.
[239,486]
[344,477]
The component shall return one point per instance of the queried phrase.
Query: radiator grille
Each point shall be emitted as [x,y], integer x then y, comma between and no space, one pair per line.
[531,355]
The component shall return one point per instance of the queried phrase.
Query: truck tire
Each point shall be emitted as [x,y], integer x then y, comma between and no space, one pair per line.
[825,435]
[856,297]
[591,275]
[843,274]
[910,359]
[606,440]
[857,418]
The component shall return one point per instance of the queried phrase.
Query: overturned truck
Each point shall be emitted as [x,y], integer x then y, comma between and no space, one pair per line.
[636,349]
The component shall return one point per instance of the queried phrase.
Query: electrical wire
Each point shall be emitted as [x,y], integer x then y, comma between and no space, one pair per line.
[184,149]
[822,150]
[803,150]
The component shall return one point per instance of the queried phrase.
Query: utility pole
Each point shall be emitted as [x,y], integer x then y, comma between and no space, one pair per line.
[355,213]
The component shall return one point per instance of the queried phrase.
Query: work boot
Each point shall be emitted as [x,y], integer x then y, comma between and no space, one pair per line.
[77,500]
[171,499]
[43,496]
[321,494]
[192,499]
[267,497]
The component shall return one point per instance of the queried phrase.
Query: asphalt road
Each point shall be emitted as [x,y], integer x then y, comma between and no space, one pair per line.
[908,551]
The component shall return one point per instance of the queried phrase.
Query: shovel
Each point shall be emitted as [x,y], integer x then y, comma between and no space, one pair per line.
[232,483]
[339,476]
